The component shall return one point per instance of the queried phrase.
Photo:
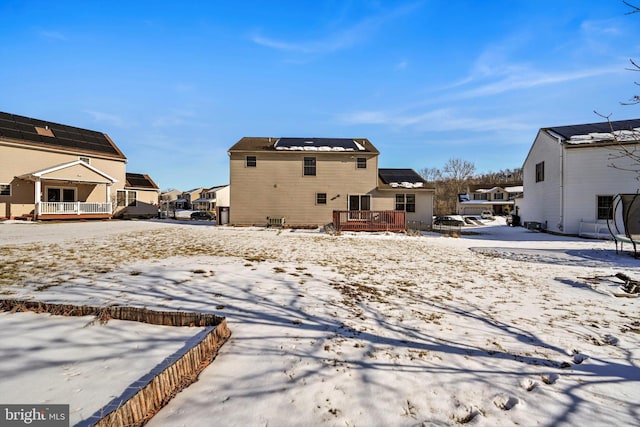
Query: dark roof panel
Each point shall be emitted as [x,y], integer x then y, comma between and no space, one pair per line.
[602,127]
[399,175]
[344,143]
[138,180]
[64,137]
[338,145]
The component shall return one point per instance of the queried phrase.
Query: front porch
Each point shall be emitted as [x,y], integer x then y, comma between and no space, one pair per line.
[73,210]
[369,220]
[71,191]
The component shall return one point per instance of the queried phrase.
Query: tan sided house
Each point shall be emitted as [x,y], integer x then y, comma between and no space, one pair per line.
[54,171]
[303,181]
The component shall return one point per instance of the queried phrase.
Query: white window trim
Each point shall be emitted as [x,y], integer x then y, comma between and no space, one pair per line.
[8,184]
[126,197]
[326,199]
[359,201]
[57,187]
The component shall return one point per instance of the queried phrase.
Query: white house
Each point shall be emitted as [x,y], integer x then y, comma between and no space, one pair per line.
[498,199]
[572,173]
[214,199]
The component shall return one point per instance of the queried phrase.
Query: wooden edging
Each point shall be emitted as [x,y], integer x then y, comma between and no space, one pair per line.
[139,403]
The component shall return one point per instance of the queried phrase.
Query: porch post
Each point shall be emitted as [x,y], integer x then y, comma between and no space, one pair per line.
[37,198]
[109,196]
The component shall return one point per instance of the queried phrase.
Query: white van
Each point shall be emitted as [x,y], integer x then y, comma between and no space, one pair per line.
[486,215]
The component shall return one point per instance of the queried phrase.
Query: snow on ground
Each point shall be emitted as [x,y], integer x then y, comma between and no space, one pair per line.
[500,327]
[38,367]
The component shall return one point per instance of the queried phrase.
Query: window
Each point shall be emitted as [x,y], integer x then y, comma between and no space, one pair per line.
[126,198]
[361,163]
[604,207]
[321,198]
[479,196]
[359,202]
[411,202]
[406,202]
[87,160]
[57,194]
[5,189]
[498,196]
[132,198]
[540,172]
[309,166]
[251,161]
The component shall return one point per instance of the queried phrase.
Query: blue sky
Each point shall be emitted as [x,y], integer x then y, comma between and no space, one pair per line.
[175,84]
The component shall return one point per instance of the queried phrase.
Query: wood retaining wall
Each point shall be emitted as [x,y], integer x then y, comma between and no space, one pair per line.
[140,402]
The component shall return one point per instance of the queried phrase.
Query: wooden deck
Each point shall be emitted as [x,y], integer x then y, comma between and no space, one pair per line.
[369,220]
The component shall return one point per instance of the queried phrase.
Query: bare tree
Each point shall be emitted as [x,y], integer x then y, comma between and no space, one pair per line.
[458,169]
[626,154]
[431,174]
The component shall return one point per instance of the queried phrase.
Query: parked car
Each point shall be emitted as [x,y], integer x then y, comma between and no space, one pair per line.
[448,220]
[204,215]
[486,215]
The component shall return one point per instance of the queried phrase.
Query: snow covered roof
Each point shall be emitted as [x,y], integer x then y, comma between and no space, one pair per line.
[401,178]
[318,144]
[285,144]
[512,189]
[621,130]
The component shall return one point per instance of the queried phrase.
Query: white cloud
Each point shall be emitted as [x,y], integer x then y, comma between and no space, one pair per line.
[174,118]
[52,35]
[526,79]
[444,119]
[108,118]
[609,27]
[337,40]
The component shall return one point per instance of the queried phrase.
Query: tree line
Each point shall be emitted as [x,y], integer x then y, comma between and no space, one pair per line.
[457,175]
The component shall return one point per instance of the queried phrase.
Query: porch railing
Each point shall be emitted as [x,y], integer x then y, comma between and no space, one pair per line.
[369,220]
[73,208]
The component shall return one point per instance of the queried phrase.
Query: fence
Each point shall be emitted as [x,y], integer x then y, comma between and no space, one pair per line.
[136,405]
[369,220]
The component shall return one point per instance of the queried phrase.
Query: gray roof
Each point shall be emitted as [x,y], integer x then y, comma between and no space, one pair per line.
[35,132]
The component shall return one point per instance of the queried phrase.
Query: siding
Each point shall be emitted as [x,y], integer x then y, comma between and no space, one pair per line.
[17,160]
[386,200]
[542,200]
[276,187]
[588,174]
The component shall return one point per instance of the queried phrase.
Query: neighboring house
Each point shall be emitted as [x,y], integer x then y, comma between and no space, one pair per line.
[498,199]
[303,180]
[54,171]
[139,198]
[569,174]
[185,201]
[214,199]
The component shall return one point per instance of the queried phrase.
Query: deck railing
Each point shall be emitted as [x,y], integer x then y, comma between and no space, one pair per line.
[73,208]
[369,220]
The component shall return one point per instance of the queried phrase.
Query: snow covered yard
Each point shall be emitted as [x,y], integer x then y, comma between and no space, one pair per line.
[502,327]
